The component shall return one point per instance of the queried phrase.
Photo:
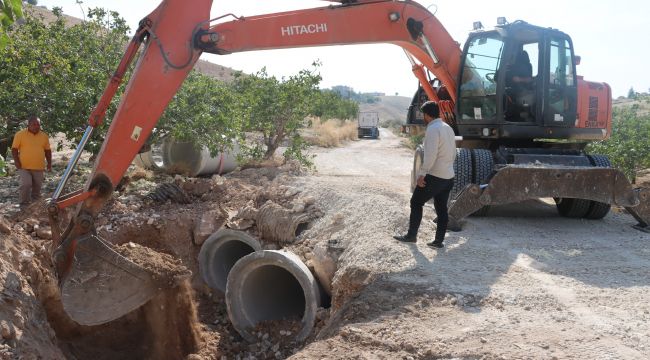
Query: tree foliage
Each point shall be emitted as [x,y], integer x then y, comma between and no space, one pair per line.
[10,12]
[59,72]
[205,112]
[277,109]
[631,94]
[628,148]
[330,105]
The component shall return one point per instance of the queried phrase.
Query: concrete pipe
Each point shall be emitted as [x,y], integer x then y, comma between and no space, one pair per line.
[271,285]
[151,160]
[220,252]
[198,161]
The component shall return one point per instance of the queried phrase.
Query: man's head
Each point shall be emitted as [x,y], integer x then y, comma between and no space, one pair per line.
[34,124]
[430,110]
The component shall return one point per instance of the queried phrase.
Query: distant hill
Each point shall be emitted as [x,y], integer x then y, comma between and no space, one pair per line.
[642,102]
[391,109]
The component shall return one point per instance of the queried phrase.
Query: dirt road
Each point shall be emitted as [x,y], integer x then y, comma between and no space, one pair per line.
[521,283]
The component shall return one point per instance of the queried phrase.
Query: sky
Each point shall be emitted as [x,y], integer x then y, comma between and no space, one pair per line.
[612,38]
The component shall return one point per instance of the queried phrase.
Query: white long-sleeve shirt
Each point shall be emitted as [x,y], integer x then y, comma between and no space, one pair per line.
[439,150]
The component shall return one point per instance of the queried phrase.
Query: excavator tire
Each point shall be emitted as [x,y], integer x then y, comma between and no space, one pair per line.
[417,163]
[572,208]
[598,210]
[463,171]
[482,167]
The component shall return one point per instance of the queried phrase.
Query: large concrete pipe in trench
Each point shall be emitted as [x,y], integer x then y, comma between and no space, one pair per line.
[271,285]
[220,252]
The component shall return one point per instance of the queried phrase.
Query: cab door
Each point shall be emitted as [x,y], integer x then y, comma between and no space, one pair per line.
[561,91]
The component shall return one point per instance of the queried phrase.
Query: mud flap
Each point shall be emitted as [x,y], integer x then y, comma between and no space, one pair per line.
[515,183]
[102,285]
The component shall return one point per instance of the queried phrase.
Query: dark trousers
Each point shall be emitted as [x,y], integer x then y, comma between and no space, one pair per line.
[439,190]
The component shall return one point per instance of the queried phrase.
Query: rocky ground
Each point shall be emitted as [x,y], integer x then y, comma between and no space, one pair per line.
[520,283]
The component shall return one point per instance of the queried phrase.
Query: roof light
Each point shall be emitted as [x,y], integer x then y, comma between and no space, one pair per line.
[477,25]
[501,20]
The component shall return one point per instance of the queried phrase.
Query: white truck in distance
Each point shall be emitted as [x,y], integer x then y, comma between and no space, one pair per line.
[368,125]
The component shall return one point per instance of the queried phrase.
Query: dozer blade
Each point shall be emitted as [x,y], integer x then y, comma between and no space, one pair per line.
[515,183]
[102,285]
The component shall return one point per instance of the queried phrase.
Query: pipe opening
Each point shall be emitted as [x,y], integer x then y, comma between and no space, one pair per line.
[226,257]
[301,228]
[219,254]
[272,293]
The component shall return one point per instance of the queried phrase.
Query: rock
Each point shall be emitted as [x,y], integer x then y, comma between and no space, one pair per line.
[483,340]
[5,228]
[206,226]
[324,263]
[44,233]
[6,330]
[25,256]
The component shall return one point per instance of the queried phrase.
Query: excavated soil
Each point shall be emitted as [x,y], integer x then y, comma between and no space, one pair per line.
[520,283]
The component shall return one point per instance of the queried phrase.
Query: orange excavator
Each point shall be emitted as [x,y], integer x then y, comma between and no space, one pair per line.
[498,120]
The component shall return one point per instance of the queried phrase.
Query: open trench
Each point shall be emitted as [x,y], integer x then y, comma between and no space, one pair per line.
[276,309]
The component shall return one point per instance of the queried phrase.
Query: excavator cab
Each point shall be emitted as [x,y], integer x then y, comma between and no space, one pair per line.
[518,81]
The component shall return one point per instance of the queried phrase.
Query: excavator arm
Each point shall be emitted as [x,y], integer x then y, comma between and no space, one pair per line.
[97,284]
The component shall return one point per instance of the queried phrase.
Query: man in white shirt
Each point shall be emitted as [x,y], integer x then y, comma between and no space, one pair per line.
[436,176]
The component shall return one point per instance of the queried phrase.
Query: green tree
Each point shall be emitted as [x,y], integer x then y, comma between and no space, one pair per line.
[330,105]
[276,109]
[10,11]
[631,94]
[204,112]
[628,148]
[59,72]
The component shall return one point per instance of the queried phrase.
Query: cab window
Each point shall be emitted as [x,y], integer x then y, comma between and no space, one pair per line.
[560,73]
[478,82]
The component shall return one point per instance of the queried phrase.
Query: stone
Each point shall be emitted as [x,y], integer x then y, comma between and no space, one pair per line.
[44,233]
[324,264]
[207,224]
[6,330]
[5,228]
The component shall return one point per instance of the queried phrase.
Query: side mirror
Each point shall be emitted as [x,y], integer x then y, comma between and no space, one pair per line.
[577,59]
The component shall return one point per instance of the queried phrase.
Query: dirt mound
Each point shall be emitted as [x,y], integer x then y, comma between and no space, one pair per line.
[173,325]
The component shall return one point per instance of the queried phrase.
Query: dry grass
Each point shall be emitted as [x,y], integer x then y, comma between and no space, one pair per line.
[331,133]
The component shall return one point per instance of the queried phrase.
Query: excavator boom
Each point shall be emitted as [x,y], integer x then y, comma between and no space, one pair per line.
[93,277]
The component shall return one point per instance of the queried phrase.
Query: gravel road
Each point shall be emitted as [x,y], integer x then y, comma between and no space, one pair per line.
[520,283]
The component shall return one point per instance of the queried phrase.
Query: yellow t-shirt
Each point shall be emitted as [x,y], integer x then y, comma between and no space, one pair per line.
[31,149]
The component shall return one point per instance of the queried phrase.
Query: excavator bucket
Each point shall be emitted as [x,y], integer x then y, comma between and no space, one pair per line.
[102,285]
[515,183]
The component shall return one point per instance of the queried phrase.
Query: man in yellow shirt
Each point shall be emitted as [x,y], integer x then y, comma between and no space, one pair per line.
[29,148]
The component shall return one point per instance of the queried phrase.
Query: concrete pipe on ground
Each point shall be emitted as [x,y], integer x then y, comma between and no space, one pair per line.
[198,161]
[271,285]
[151,159]
[220,252]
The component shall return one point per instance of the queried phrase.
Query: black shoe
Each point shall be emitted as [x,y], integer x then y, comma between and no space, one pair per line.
[405,238]
[436,244]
